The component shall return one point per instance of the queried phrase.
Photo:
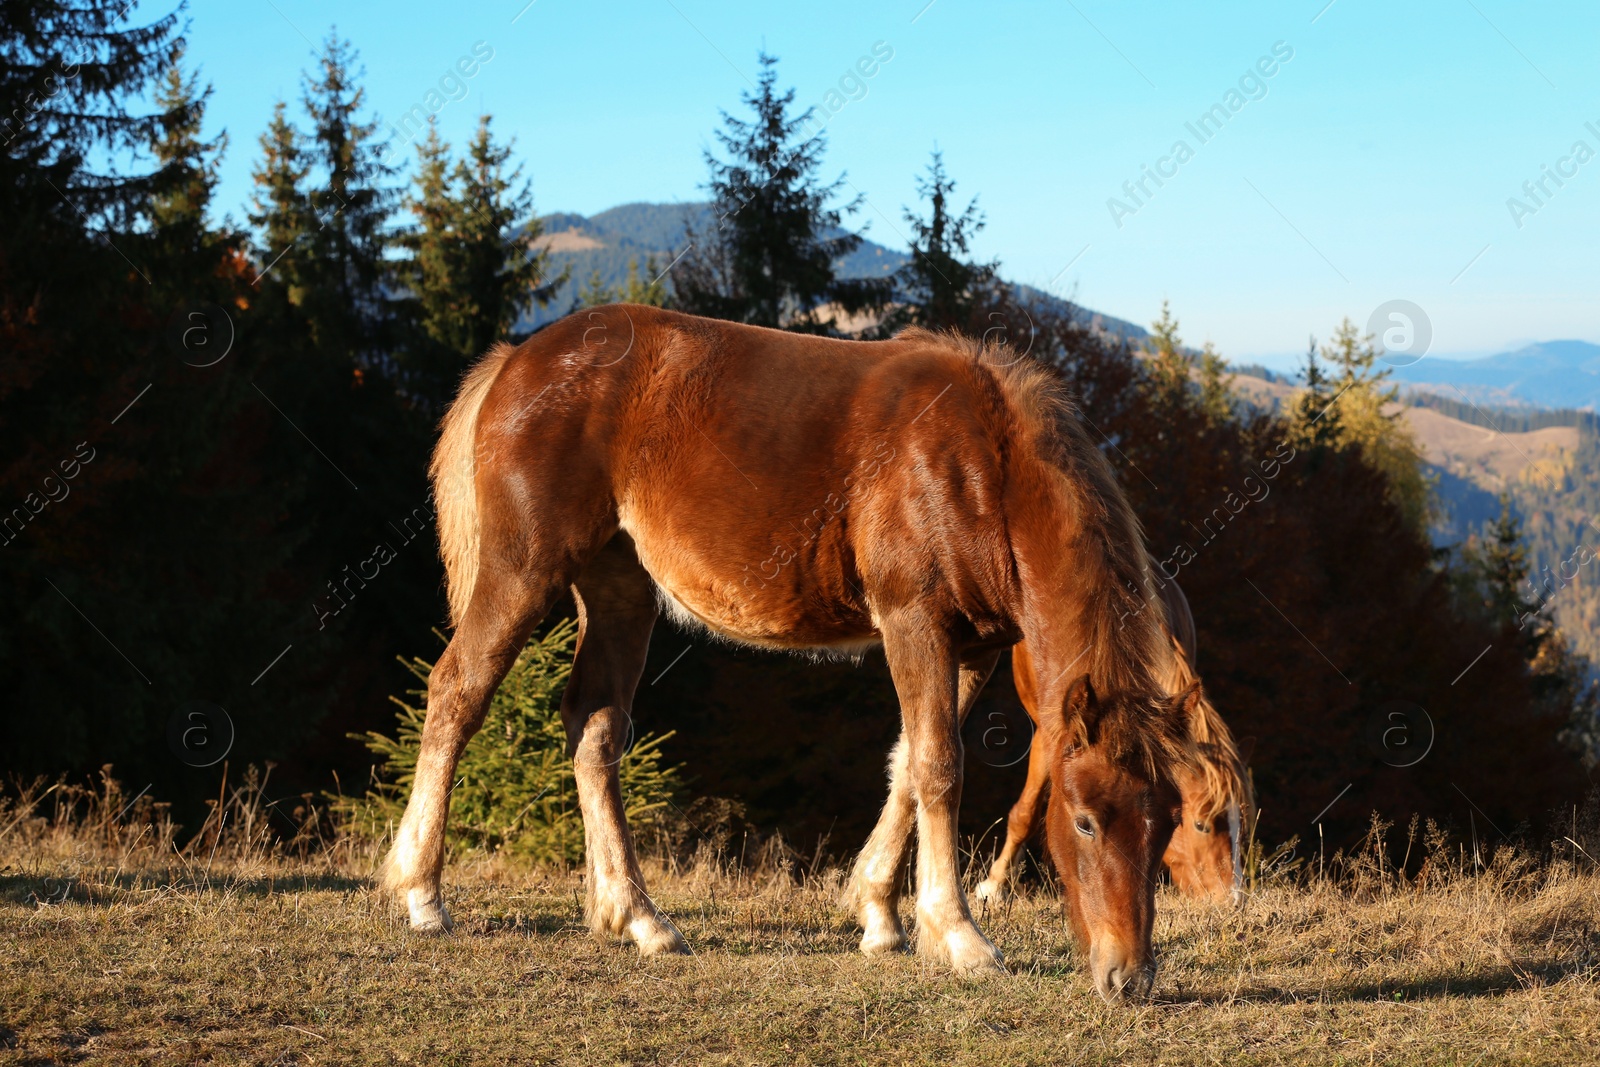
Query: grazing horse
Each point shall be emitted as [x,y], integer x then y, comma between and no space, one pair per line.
[936,497]
[1203,858]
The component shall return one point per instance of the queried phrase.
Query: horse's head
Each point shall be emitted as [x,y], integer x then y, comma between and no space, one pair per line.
[1113,806]
[1205,857]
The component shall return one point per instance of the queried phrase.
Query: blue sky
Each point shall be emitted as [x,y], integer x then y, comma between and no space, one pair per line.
[1376,163]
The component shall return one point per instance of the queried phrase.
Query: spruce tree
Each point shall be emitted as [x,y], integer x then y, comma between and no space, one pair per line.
[635,288]
[325,336]
[155,573]
[188,164]
[595,291]
[1170,366]
[1216,393]
[431,261]
[1314,412]
[78,333]
[1490,580]
[504,273]
[345,265]
[1370,419]
[472,265]
[1502,564]
[939,286]
[769,257]
[281,211]
[647,288]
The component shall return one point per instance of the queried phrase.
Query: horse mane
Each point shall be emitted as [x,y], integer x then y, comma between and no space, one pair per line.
[1126,640]
[1221,767]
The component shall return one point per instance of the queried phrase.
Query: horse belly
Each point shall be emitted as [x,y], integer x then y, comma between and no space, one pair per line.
[790,608]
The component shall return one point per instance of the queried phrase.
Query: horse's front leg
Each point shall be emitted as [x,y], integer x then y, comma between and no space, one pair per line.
[926,669]
[878,880]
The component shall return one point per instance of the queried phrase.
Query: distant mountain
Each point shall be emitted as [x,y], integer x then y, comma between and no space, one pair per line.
[609,241]
[1548,374]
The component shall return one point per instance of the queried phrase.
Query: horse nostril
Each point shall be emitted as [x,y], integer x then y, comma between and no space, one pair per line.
[1145,982]
[1127,982]
[1110,987]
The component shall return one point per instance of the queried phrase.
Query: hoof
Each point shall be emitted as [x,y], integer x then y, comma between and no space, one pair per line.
[428,914]
[979,962]
[883,942]
[655,936]
[990,891]
[963,948]
[882,934]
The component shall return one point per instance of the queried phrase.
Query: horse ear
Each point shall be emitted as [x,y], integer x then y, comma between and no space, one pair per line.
[1189,701]
[1082,714]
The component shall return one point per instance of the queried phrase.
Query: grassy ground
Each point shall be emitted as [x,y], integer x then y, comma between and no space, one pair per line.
[133,953]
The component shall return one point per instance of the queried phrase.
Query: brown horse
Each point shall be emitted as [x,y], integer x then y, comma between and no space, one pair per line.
[934,497]
[1203,857]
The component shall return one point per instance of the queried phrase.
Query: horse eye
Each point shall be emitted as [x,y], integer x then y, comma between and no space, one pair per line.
[1085,827]
[1202,827]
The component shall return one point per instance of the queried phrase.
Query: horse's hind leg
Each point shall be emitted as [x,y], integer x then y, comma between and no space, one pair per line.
[880,872]
[879,879]
[504,610]
[616,611]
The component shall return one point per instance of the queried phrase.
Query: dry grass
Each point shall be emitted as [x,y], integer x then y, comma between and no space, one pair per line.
[122,949]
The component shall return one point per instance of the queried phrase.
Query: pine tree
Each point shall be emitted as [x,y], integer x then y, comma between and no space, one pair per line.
[281,212]
[188,164]
[1170,366]
[473,267]
[640,290]
[769,259]
[941,288]
[1216,392]
[345,260]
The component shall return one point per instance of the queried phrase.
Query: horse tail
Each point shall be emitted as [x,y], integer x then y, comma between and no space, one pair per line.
[454,473]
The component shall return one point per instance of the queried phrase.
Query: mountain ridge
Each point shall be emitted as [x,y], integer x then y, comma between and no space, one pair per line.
[1563,373]
[608,241]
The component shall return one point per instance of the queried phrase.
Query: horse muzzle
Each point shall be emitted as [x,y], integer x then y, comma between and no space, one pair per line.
[1120,977]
